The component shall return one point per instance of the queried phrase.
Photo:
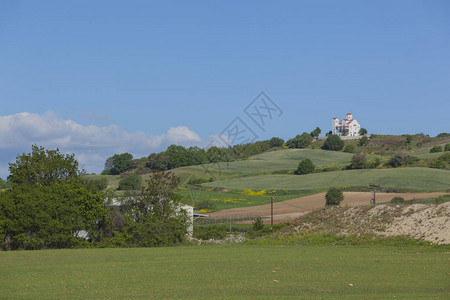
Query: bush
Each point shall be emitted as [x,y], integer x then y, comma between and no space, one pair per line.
[358,162]
[206,205]
[334,196]
[333,143]
[397,200]
[131,182]
[401,160]
[258,224]
[363,141]
[436,149]
[306,166]
[447,147]
[349,149]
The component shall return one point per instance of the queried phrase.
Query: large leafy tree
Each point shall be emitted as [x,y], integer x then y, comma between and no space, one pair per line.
[49,204]
[300,141]
[43,167]
[334,143]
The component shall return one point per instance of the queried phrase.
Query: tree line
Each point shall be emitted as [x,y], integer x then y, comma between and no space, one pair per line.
[176,156]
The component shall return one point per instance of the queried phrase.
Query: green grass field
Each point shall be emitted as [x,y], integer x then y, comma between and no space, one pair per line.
[416,179]
[234,271]
[227,200]
[266,163]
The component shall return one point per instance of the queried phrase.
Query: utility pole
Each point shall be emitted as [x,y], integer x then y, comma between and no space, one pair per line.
[271,211]
[374,191]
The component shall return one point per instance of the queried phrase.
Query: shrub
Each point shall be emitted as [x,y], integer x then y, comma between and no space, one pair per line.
[358,162]
[363,141]
[400,160]
[131,182]
[306,166]
[436,149]
[333,143]
[334,196]
[397,200]
[258,224]
[447,147]
[206,205]
[349,149]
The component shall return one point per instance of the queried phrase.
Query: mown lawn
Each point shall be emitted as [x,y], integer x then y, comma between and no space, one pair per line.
[234,271]
[416,179]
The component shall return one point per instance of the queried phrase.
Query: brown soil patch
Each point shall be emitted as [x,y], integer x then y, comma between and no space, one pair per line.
[291,209]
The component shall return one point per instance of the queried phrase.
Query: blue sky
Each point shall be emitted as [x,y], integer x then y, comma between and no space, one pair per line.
[102,77]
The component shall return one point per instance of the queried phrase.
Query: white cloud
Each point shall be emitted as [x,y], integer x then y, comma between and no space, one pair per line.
[91,144]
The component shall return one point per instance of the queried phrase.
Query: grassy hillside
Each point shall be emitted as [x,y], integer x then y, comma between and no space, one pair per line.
[223,272]
[420,179]
[268,162]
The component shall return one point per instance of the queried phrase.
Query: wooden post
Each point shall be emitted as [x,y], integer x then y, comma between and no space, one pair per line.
[271,211]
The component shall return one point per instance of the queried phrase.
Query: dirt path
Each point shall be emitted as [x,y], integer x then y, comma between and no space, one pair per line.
[293,208]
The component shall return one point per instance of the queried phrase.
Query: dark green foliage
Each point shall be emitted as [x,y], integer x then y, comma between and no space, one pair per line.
[436,149]
[362,131]
[363,141]
[42,217]
[447,147]
[206,204]
[316,132]
[276,142]
[359,161]
[43,167]
[334,196]
[131,182]
[48,204]
[408,139]
[306,166]
[4,184]
[152,214]
[208,232]
[121,163]
[398,200]
[258,224]
[349,148]
[333,143]
[401,160]
[300,141]
[95,184]
[443,135]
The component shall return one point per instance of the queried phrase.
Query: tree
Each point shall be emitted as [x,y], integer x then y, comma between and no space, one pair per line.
[276,142]
[436,149]
[349,148]
[48,204]
[333,142]
[316,132]
[300,141]
[121,163]
[153,215]
[362,131]
[334,196]
[131,182]
[306,166]
[43,167]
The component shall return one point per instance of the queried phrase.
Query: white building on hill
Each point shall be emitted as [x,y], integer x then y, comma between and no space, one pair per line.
[345,127]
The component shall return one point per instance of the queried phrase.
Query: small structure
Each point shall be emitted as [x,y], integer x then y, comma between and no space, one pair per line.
[345,127]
